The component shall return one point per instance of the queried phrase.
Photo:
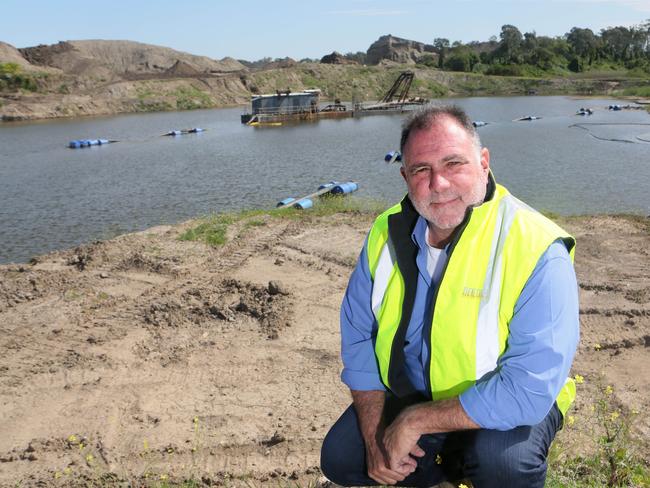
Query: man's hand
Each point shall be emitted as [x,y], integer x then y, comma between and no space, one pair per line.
[400,441]
[369,406]
[378,466]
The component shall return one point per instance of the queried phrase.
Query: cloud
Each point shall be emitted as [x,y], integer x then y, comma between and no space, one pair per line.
[369,12]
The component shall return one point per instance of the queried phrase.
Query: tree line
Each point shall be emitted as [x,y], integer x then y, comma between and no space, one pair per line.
[580,49]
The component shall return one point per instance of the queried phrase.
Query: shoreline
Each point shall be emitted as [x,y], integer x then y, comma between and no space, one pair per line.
[336,81]
[640,217]
[172,359]
[20,120]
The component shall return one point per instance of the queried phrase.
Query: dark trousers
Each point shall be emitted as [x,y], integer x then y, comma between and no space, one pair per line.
[488,458]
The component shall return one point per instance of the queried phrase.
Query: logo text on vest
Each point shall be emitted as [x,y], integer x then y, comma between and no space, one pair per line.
[473,292]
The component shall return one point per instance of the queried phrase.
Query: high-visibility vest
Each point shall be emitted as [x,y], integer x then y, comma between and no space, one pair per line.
[490,259]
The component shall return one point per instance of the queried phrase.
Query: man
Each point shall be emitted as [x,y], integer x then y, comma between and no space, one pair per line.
[459,326]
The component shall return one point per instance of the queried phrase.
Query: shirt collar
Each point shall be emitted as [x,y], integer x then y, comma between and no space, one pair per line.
[418,236]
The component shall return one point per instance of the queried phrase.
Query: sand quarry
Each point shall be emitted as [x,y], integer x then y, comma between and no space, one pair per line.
[145,359]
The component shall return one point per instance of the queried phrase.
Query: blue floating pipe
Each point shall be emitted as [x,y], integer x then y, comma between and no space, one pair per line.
[344,188]
[393,156]
[304,204]
[328,185]
[286,201]
[195,130]
[479,123]
[77,143]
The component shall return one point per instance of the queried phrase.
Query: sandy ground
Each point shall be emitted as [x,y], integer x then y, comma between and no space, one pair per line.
[152,358]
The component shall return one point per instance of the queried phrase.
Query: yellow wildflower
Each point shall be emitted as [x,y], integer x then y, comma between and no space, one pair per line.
[196,420]
[438,459]
[89,458]
[163,477]
[81,445]
[635,412]
[592,408]
[570,420]
[146,445]
[463,485]
[609,390]
[597,347]
[579,379]
[72,438]
[169,450]
[57,475]
[614,415]
[67,471]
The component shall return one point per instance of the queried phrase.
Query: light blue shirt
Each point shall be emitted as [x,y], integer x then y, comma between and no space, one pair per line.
[543,337]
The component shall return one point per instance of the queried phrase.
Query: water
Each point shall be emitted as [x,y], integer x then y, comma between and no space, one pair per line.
[52,197]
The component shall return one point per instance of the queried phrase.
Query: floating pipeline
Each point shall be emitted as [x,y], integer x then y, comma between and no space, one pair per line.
[286,201]
[328,185]
[479,123]
[78,143]
[344,188]
[193,130]
[393,156]
[304,204]
[331,188]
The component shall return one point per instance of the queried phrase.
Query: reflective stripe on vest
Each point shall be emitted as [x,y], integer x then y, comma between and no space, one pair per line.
[501,243]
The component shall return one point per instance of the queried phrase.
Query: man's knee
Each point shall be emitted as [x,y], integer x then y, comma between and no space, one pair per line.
[330,462]
[505,459]
[343,452]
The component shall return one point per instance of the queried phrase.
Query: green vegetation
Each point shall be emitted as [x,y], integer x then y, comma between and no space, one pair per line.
[11,78]
[637,91]
[623,49]
[615,460]
[188,98]
[213,229]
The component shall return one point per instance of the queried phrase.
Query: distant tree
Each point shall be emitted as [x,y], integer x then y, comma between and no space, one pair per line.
[442,45]
[510,44]
[617,42]
[583,42]
[461,59]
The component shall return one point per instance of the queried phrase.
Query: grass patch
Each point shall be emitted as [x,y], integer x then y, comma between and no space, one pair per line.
[189,98]
[637,91]
[614,457]
[213,229]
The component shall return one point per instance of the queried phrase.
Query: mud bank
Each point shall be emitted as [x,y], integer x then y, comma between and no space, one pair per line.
[147,358]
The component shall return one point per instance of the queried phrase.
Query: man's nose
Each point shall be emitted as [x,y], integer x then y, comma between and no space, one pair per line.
[438,182]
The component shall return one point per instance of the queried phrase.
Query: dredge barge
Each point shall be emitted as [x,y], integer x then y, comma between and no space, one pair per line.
[288,106]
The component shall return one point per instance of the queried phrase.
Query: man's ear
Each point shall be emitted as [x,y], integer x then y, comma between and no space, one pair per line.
[402,172]
[485,159]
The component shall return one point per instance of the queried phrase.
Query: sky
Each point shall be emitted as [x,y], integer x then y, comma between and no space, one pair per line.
[253,29]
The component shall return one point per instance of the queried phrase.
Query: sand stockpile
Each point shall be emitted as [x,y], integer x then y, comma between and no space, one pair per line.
[146,358]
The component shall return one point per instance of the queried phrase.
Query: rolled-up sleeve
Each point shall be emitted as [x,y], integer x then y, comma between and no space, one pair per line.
[543,337]
[358,331]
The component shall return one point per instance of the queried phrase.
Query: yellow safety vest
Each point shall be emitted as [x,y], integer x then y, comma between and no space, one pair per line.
[490,259]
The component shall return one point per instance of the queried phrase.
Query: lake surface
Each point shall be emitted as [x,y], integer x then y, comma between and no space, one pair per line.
[52,197]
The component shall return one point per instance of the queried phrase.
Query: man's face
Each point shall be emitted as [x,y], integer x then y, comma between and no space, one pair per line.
[444,172]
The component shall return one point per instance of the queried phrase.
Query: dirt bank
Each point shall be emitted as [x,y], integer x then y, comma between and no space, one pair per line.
[152,358]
